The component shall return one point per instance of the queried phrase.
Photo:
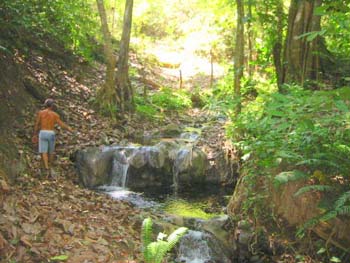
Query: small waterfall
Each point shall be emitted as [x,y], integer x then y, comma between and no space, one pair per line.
[120,170]
[194,248]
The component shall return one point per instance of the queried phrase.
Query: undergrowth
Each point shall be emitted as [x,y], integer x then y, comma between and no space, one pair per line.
[164,101]
[305,134]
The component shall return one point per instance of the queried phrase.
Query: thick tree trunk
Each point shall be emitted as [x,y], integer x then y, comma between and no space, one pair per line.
[125,92]
[107,93]
[239,53]
[302,57]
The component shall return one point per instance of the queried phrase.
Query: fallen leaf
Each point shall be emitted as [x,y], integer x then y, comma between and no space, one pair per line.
[4,186]
[25,240]
[3,242]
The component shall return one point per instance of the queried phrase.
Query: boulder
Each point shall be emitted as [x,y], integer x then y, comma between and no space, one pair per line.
[168,163]
[197,246]
[94,166]
[191,166]
[170,131]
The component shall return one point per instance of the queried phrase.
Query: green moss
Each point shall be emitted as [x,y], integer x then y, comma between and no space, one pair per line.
[186,209]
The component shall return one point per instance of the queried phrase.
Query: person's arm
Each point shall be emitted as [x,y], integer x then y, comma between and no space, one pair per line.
[37,125]
[36,128]
[63,125]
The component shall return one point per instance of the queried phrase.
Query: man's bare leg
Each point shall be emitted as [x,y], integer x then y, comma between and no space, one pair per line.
[45,158]
[51,159]
[52,165]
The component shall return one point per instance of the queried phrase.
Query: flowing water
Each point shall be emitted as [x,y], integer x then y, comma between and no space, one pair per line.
[194,246]
[120,170]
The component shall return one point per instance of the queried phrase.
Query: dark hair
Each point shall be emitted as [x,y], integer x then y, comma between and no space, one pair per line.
[49,103]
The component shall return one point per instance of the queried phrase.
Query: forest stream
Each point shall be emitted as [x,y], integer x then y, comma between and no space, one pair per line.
[169,175]
[194,131]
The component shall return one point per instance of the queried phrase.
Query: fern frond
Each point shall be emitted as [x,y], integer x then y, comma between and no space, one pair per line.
[344,210]
[328,216]
[320,188]
[146,232]
[285,177]
[311,222]
[156,251]
[342,200]
[163,248]
[175,236]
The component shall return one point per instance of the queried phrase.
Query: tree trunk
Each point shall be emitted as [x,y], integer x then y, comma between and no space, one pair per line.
[107,94]
[250,39]
[124,91]
[302,57]
[239,54]
[277,47]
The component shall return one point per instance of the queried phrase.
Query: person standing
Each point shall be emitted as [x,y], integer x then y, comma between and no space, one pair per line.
[44,133]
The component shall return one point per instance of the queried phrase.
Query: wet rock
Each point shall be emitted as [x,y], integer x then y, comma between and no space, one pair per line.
[167,164]
[244,234]
[138,158]
[199,246]
[170,131]
[93,166]
[156,157]
[191,165]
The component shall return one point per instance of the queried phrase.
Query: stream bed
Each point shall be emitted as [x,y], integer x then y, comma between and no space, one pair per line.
[198,245]
[174,178]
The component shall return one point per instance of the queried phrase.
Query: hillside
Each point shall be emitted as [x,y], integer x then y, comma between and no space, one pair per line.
[41,218]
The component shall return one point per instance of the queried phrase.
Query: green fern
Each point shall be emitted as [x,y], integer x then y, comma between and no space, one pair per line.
[146,236]
[339,207]
[320,188]
[146,231]
[344,210]
[328,216]
[342,200]
[154,252]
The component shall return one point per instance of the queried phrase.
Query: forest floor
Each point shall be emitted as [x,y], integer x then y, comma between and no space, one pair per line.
[45,220]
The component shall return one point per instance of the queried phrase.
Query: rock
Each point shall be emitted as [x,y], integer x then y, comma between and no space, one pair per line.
[170,131]
[138,158]
[198,246]
[217,226]
[156,157]
[191,165]
[145,167]
[94,166]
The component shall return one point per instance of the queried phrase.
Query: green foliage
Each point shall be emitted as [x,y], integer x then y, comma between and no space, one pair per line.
[154,252]
[146,231]
[339,207]
[299,132]
[335,23]
[170,99]
[165,100]
[73,23]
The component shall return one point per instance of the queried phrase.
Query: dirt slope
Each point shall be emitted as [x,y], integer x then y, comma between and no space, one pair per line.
[40,218]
